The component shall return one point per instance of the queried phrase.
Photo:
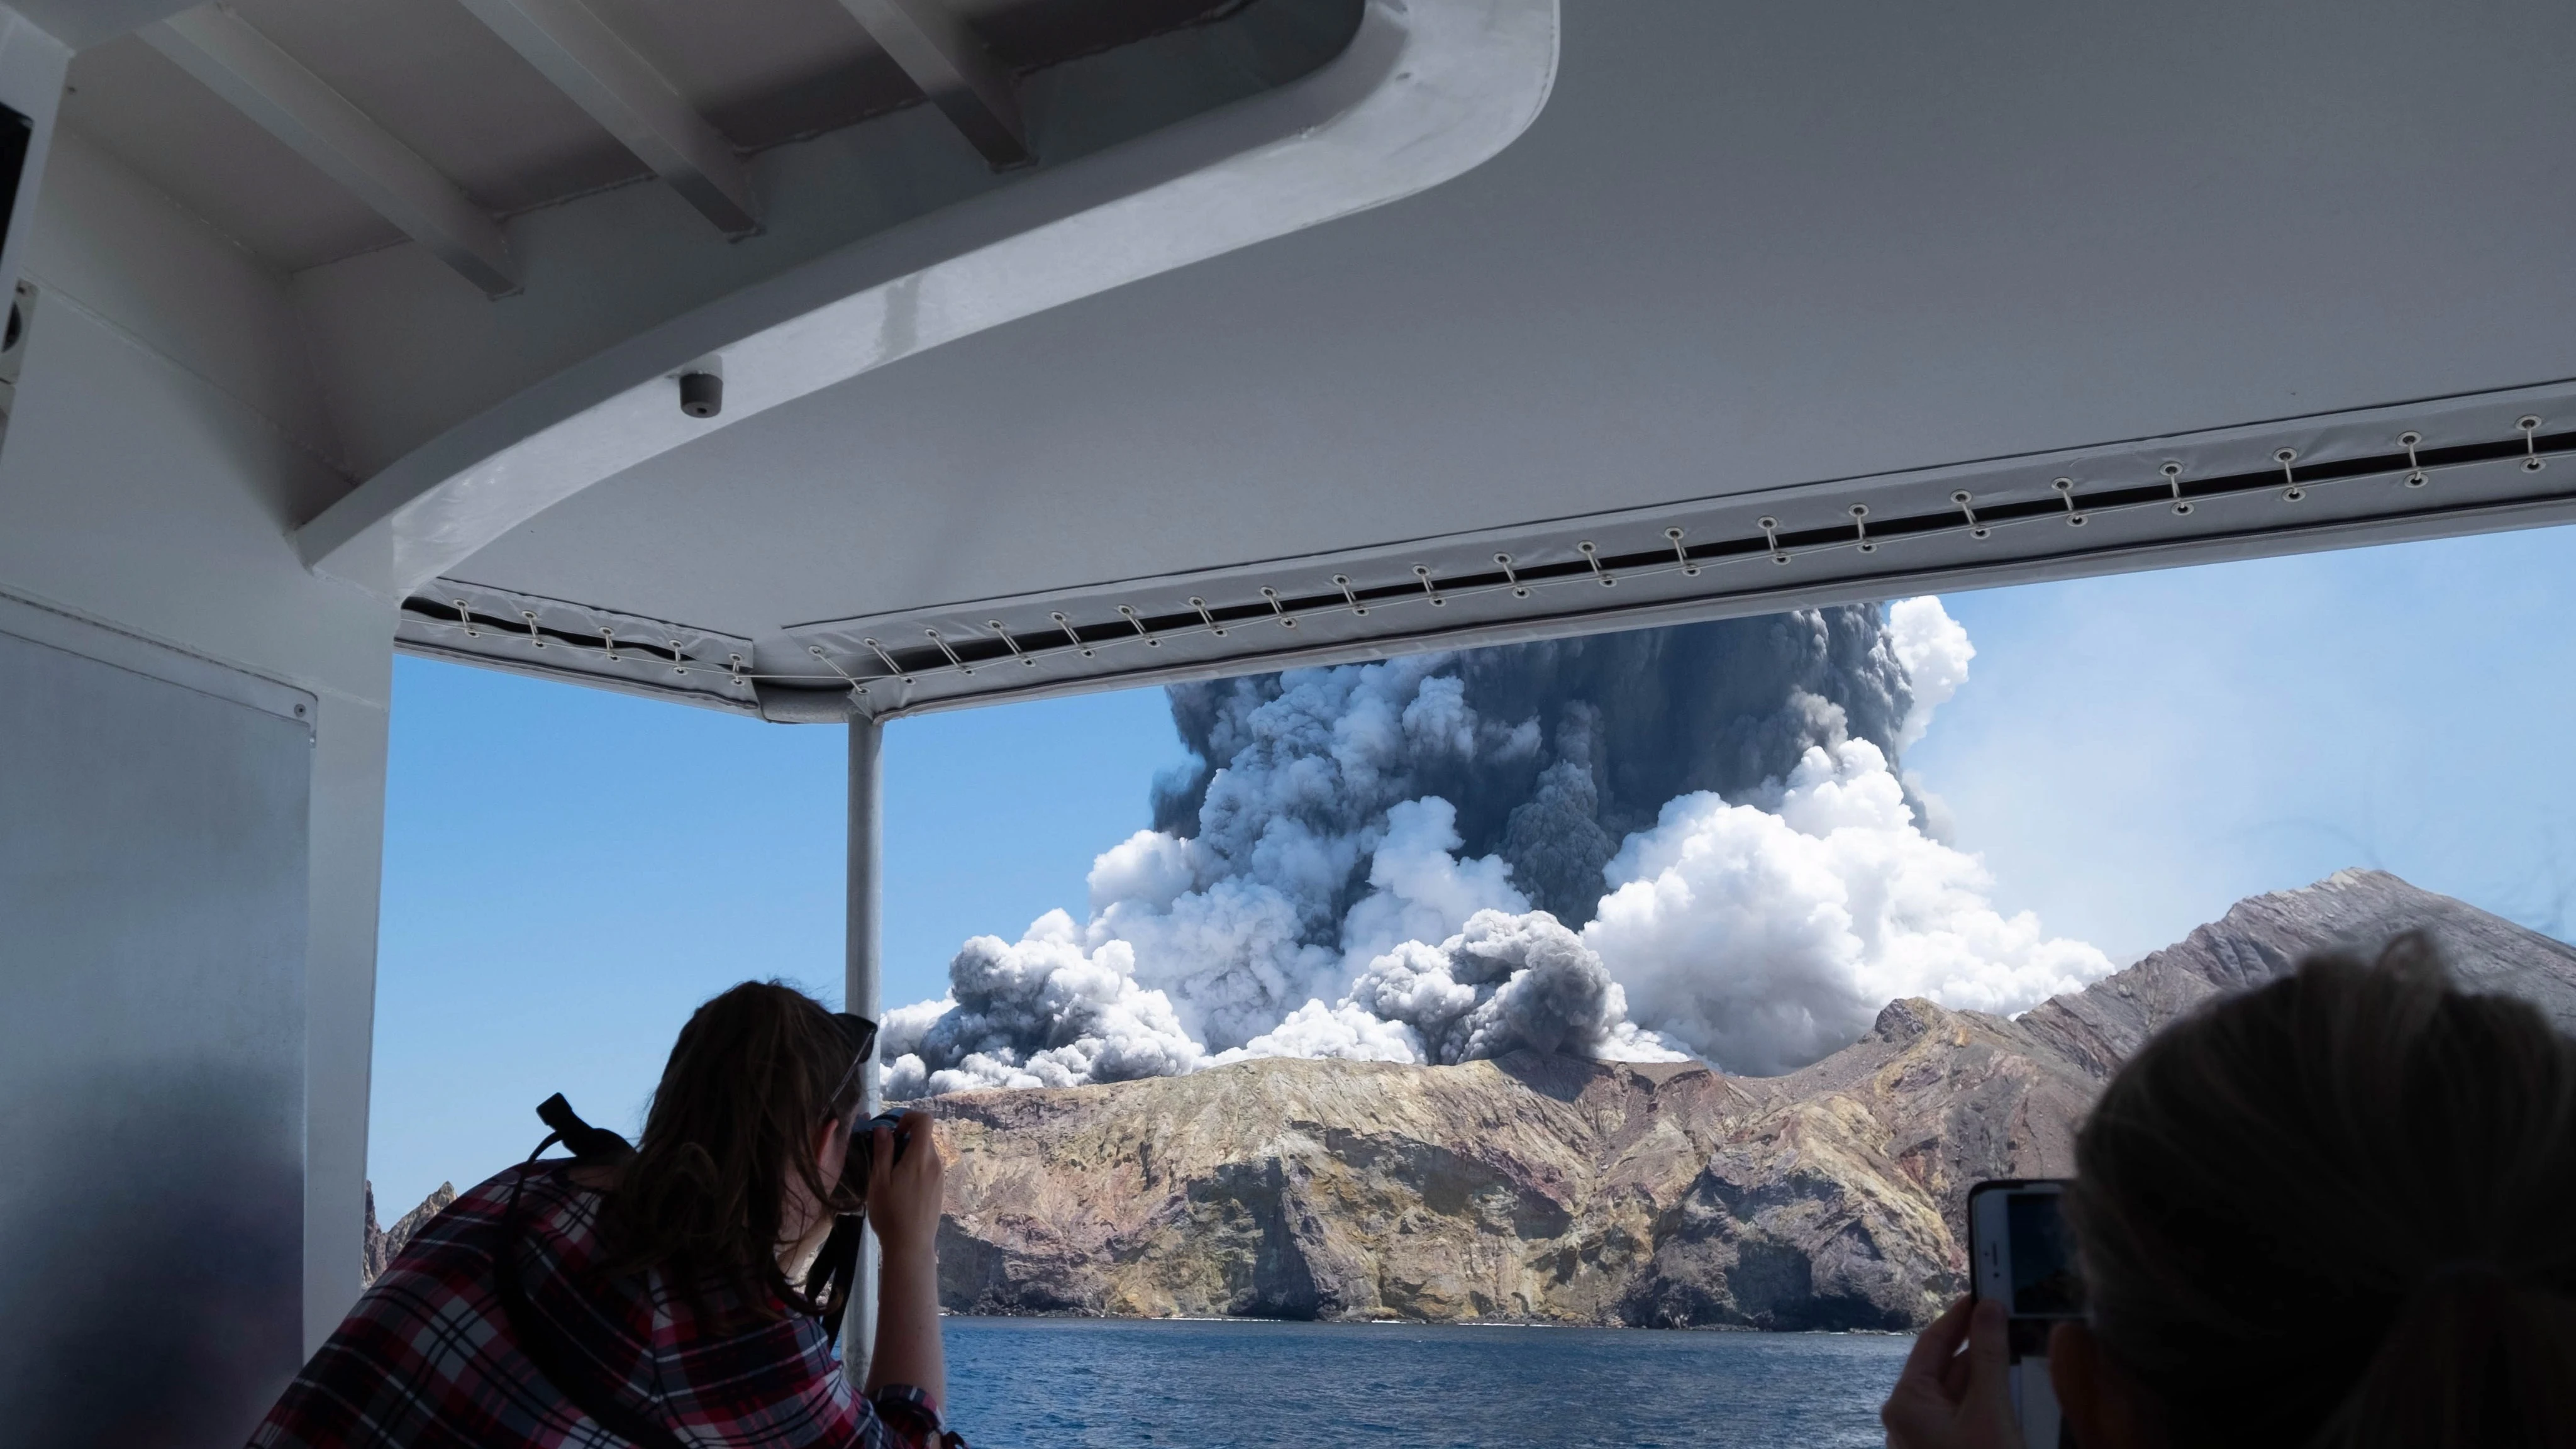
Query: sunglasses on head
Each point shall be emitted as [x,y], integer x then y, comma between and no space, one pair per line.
[860,1035]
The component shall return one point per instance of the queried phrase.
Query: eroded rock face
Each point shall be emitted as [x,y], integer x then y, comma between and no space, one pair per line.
[1534,1187]
[1561,1190]
[383,1245]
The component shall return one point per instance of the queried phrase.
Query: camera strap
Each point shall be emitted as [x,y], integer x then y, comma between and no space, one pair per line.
[834,1276]
[536,1337]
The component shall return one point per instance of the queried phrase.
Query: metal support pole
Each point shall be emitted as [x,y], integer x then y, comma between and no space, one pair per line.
[859,993]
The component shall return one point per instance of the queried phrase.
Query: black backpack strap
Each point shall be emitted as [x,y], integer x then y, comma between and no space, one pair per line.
[534,1335]
[591,1146]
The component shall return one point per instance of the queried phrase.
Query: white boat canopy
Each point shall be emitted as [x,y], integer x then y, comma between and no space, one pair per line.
[1657,311]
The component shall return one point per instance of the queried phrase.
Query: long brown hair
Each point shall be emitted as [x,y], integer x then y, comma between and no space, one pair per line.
[2336,1211]
[755,1072]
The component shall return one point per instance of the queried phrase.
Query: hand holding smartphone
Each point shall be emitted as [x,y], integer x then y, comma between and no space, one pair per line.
[2021,1255]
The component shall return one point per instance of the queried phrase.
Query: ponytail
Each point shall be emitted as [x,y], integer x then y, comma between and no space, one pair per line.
[2335,1211]
[2473,1358]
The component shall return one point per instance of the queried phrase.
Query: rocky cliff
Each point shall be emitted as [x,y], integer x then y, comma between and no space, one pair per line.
[1561,1190]
[2265,936]
[383,1244]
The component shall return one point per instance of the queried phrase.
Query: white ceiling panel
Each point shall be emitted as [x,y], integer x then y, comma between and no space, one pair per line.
[1737,250]
[182,138]
[765,71]
[1769,254]
[434,76]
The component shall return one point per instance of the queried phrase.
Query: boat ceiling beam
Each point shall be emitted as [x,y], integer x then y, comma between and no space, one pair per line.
[276,91]
[603,73]
[952,67]
[81,24]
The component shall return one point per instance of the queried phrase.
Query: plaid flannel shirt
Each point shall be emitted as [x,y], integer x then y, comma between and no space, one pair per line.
[426,1360]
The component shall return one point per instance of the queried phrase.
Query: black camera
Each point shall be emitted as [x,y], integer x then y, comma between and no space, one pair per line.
[828,1282]
[863,1147]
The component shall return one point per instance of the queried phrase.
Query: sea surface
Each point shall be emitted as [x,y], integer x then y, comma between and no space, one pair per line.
[1057,1383]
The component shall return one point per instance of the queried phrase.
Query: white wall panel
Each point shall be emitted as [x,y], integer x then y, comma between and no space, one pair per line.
[153,878]
[159,455]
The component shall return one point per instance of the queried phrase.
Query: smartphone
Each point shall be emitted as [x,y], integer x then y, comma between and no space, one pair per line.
[2022,1256]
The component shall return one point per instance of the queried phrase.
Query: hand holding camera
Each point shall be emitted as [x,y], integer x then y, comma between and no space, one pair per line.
[893,1154]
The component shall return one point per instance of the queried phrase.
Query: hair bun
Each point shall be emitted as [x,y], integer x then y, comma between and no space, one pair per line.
[2477,1355]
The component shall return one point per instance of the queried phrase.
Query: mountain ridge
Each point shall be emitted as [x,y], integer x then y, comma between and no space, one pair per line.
[1553,1189]
[382,1245]
[2265,936]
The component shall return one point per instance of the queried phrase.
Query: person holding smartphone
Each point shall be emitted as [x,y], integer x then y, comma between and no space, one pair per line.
[668,1295]
[2334,1211]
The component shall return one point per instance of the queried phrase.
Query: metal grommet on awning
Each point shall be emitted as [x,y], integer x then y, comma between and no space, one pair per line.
[879,650]
[960,665]
[1013,645]
[846,677]
[1138,621]
[1071,634]
[1689,569]
[2173,480]
[1967,505]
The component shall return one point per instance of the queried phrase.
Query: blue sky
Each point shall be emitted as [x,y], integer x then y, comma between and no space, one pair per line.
[569,872]
[2133,754]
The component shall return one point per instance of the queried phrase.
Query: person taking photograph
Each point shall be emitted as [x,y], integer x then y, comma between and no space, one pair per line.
[666,1297]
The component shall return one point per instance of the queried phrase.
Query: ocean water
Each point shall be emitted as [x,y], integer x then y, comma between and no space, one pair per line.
[1056,1383]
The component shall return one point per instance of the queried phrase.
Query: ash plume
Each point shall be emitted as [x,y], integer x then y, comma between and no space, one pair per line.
[1691,840]
[1575,742]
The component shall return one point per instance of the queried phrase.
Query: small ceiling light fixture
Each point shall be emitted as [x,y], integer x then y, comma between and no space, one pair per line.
[701,394]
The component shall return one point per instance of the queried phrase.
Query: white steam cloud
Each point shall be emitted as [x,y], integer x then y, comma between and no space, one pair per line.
[1373,862]
[1768,933]
[1935,652]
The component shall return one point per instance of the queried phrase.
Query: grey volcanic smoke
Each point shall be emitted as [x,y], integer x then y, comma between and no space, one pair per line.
[1455,855]
[1623,723]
